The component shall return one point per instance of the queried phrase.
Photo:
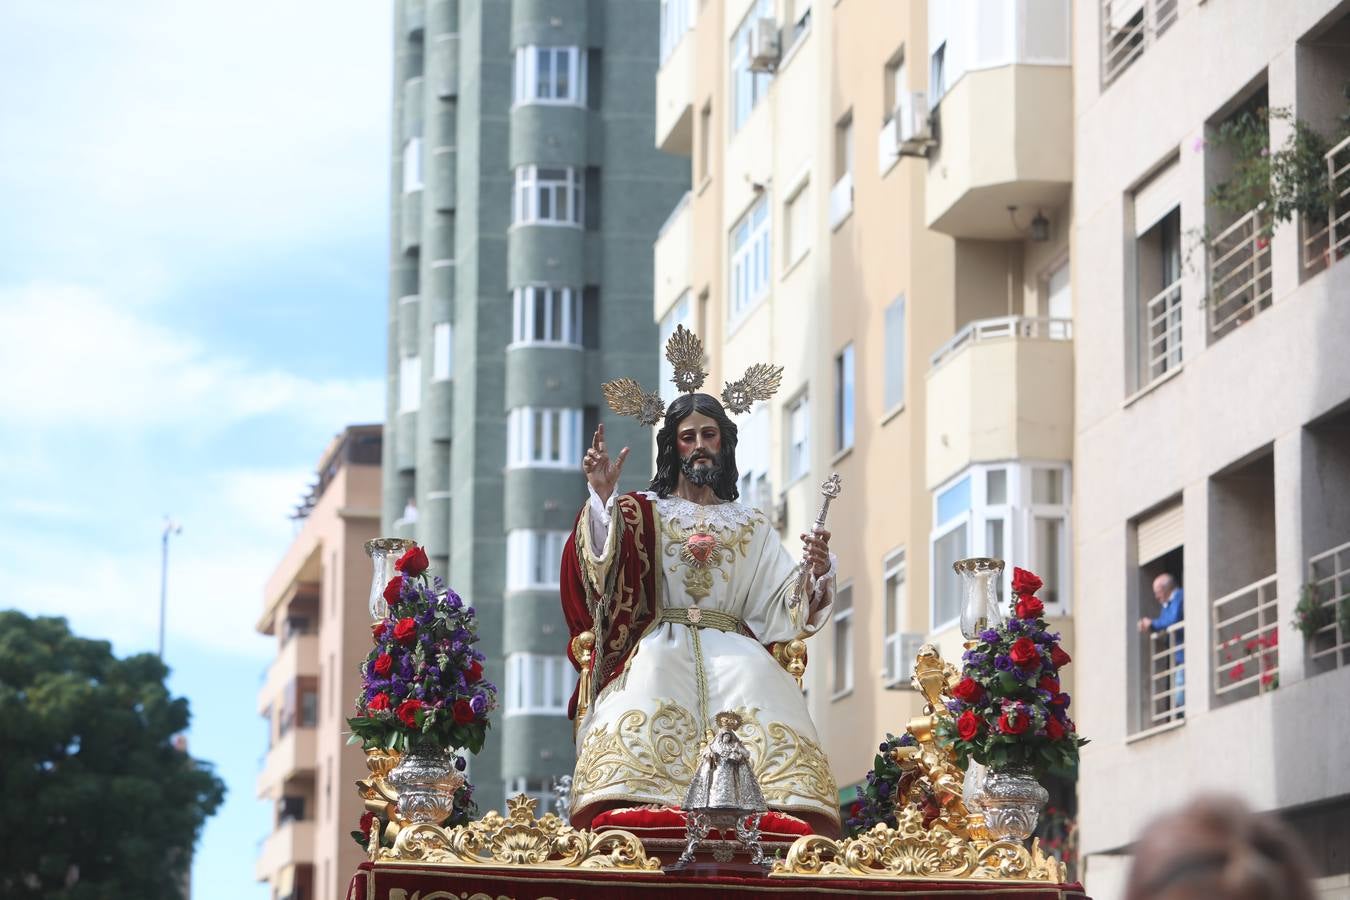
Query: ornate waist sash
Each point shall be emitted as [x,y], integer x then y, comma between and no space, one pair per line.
[695,617]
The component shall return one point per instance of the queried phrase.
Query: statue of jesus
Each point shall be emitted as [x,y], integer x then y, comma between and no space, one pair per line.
[684,589]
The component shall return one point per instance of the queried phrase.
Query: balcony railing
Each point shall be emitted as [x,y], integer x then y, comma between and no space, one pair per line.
[1166,689]
[1326,242]
[1246,644]
[1240,284]
[1004,327]
[1128,28]
[1162,334]
[1329,575]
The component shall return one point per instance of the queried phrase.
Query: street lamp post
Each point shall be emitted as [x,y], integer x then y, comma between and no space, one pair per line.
[170,528]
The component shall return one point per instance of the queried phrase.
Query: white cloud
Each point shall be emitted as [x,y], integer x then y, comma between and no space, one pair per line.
[83,362]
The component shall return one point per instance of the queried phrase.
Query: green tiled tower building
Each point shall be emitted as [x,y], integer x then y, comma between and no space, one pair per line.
[526,197]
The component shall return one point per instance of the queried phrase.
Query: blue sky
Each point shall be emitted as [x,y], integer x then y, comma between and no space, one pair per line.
[192,281]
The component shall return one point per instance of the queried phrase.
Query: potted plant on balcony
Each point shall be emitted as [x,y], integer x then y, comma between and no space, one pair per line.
[423,696]
[1010,715]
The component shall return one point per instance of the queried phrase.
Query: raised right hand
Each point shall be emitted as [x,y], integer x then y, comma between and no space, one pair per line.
[602,473]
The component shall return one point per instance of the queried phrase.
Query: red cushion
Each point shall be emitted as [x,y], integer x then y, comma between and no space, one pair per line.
[669,823]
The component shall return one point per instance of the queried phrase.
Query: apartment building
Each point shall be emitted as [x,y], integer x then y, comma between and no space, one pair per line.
[316,605]
[1213,420]
[880,204]
[526,194]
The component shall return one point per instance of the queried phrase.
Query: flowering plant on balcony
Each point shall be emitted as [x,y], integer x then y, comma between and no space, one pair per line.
[1008,710]
[423,679]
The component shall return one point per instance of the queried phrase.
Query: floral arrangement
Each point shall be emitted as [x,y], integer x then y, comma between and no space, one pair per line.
[876,798]
[423,679]
[1008,710]
[1261,651]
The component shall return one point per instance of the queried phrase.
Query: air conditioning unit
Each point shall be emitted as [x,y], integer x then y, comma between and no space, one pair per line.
[902,652]
[913,132]
[764,45]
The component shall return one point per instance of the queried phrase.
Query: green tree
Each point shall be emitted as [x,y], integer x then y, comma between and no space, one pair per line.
[100,803]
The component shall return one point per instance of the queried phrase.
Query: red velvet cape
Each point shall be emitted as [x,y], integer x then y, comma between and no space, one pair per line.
[630,604]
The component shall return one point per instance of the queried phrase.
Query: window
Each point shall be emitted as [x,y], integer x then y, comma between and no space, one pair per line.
[538,685]
[894,388]
[843,399]
[409,384]
[1158,261]
[752,460]
[533,558]
[677,17]
[705,141]
[842,678]
[899,648]
[937,74]
[799,223]
[440,351]
[555,75]
[412,165]
[543,438]
[1006,511]
[750,240]
[894,84]
[309,708]
[747,87]
[841,195]
[679,314]
[549,196]
[799,438]
[545,314]
[539,790]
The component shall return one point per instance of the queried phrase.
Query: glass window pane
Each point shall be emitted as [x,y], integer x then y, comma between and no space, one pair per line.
[1048,534]
[542,67]
[563,87]
[1047,486]
[556,317]
[946,587]
[996,487]
[536,682]
[954,501]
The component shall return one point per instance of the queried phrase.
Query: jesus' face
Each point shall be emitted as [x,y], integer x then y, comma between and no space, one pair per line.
[699,443]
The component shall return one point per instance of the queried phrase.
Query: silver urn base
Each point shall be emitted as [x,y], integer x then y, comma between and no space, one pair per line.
[426,781]
[1012,801]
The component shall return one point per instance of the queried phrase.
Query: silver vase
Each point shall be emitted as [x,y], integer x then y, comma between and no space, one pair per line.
[426,781]
[1012,800]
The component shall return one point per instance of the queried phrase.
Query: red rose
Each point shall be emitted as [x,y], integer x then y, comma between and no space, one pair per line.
[378,630]
[1023,582]
[379,701]
[393,589]
[366,821]
[1024,653]
[855,808]
[475,672]
[1029,607]
[1049,683]
[968,690]
[1016,725]
[383,663]
[407,712]
[1054,730]
[1058,658]
[463,712]
[413,563]
[968,725]
[405,630]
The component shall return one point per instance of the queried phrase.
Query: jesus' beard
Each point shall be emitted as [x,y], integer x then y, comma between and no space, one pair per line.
[701,475]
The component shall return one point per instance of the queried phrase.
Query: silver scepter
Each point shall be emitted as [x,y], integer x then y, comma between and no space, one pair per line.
[829,490]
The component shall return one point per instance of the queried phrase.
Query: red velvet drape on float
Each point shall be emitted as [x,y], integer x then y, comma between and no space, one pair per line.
[388,882]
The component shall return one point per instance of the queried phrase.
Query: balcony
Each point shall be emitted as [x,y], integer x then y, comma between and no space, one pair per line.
[1329,578]
[297,657]
[294,753]
[291,844]
[1240,281]
[1245,644]
[1129,27]
[1000,389]
[671,255]
[1005,138]
[675,98]
[1326,242]
[1165,677]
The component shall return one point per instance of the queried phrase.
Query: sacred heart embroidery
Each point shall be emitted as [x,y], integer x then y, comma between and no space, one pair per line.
[701,550]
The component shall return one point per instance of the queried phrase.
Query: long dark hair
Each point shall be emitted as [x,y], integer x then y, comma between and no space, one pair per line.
[667,476]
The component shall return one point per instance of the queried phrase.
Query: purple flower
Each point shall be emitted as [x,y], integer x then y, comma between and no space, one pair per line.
[953,707]
[460,763]
[977,658]
[1014,626]
[1020,673]
[478,704]
[1003,662]
[989,636]
[453,600]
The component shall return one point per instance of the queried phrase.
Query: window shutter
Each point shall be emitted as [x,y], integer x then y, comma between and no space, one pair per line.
[1160,532]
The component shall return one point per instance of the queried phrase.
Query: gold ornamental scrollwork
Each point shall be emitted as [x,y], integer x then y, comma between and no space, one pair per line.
[519,840]
[914,852]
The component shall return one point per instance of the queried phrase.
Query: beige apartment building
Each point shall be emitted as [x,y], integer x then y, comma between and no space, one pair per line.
[1212,416]
[880,204]
[316,604]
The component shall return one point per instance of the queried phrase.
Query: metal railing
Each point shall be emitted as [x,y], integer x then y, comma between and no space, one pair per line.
[1042,328]
[1162,335]
[1240,284]
[1338,219]
[1329,575]
[1166,688]
[1123,44]
[1245,641]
